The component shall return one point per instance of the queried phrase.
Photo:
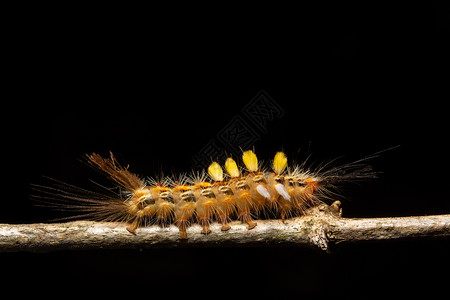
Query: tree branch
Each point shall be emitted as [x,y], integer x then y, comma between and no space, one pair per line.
[322,227]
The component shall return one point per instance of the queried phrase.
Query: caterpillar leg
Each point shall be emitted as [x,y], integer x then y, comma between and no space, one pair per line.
[133,226]
[206,208]
[182,226]
[244,205]
[283,216]
[225,207]
[224,221]
[286,209]
[205,226]
[248,219]
[142,209]
[184,211]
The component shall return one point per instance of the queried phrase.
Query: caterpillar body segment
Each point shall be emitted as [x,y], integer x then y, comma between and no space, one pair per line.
[226,206]
[219,194]
[184,207]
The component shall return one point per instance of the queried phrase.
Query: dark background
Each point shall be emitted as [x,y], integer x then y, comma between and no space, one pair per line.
[352,80]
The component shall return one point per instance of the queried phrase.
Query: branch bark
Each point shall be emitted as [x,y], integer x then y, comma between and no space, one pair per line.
[321,228]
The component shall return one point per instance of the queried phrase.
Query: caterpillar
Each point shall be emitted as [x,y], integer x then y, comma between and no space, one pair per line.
[218,194]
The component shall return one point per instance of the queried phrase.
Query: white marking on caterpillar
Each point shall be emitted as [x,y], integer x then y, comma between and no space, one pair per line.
[263,191]
[282,191]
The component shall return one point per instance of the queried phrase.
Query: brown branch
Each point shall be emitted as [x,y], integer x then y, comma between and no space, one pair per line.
[322,227]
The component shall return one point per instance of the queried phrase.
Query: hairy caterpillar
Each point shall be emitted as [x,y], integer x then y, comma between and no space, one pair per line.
[243,193]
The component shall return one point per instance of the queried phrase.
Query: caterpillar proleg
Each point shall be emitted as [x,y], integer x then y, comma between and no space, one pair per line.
[219,194]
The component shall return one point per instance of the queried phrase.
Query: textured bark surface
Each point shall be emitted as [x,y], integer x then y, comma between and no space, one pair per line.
[321,228]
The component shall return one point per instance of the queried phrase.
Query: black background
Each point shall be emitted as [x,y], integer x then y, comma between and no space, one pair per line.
[154,89]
